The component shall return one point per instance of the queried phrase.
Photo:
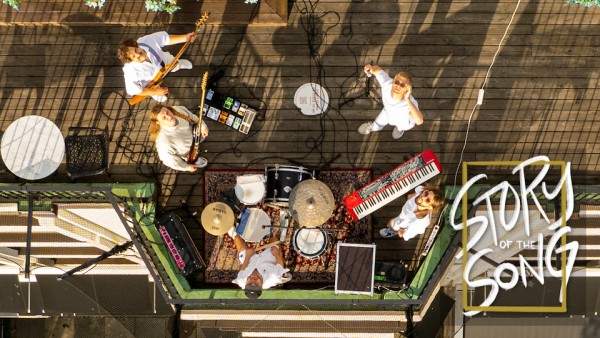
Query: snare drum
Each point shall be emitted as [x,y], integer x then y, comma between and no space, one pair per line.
[310,242]
[251,227]
[250,193]
[281,179]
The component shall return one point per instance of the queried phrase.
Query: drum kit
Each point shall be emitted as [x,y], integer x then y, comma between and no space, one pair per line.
[292,190]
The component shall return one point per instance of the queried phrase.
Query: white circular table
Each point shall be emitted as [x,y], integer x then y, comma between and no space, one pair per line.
[311,99]
[32,147]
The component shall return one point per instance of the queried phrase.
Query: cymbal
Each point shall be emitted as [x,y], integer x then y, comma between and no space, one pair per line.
[217,218]
[311,203]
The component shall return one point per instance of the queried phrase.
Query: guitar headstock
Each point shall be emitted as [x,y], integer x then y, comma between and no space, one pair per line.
[204,79]
[201,20]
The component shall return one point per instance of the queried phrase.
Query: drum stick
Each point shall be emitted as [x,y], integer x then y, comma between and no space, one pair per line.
[267,246]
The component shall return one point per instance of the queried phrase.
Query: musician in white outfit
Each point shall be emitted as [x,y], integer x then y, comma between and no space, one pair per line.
[144,58]
[416,213]
[171,127]
[400,109]
[258,271]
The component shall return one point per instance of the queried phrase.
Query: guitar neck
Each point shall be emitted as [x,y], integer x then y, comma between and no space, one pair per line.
[201,107]
[173,63]
[168,68]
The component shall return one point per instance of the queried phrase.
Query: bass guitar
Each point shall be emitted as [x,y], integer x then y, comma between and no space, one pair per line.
[159,78]
[197,133]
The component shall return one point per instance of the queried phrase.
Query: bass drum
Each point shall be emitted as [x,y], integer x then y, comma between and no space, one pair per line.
[281,180]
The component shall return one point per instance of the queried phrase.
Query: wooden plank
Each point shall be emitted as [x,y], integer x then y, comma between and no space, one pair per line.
[540,98]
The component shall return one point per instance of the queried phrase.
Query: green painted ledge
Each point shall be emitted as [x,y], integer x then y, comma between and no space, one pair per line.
[413,292]
[439,247]
[144,217]
[274,294]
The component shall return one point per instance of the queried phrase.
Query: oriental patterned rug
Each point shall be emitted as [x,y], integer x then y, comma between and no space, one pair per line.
[220,251]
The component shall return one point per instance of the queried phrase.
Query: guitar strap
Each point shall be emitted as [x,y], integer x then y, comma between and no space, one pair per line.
[160,60]
[183,117]
[194,128]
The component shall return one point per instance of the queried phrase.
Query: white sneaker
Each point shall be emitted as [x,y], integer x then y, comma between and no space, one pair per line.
[161,99]
[202,162]
[183,64]
[365,128]
[387,233]
[396,134]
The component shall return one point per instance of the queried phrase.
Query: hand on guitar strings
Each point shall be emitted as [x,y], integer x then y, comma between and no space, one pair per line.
[160,91]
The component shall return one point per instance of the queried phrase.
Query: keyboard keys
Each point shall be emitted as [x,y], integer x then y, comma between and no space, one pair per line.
[396,190]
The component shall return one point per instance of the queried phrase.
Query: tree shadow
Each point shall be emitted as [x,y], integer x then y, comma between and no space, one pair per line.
[510,98]
[92,52]
[30,82]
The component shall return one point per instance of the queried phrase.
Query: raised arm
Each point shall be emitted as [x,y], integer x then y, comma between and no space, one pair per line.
[414,113]
[175,39]
[373,68]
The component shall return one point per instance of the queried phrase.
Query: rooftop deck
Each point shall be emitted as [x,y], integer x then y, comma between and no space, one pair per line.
[540,97]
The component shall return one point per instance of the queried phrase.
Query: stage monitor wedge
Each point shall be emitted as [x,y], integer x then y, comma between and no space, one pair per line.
[355,269]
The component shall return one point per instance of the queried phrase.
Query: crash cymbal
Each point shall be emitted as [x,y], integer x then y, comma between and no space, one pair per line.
[311,203]
[217,218]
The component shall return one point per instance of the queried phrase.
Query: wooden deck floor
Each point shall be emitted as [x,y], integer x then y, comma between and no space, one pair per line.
[540,98]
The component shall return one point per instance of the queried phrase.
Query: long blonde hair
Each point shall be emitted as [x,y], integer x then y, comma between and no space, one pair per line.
[437,203]
[154,128]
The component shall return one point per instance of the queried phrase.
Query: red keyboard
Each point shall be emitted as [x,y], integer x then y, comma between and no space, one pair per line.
[392,185]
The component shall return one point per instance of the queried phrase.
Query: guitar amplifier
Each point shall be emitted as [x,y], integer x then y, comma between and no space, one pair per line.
[391,276]
[179,244]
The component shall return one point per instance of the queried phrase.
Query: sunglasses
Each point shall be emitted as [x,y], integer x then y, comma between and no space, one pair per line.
[398,83]
[425,196]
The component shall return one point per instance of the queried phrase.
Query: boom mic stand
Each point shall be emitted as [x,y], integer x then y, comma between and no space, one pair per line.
[114,251]
[366,92]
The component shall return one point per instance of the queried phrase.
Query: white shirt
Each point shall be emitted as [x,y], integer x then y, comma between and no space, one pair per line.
[139,74]
[267,266]
[397,111]
[173,143]
[407,219]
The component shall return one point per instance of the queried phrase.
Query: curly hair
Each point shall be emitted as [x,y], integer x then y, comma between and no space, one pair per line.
[123,52]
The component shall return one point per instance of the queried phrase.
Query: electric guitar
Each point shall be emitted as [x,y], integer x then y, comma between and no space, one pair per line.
[197,133]
[159,78]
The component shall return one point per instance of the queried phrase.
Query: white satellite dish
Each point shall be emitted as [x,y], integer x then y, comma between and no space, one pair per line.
[311,99]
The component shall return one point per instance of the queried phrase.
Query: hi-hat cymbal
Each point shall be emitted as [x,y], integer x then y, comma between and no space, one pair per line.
[217,218]
[311,203]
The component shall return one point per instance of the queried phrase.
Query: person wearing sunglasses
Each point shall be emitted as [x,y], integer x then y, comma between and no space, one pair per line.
[416,213]
[400,109]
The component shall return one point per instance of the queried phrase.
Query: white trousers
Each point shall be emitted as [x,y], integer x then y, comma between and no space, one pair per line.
[381,121]
[183,64]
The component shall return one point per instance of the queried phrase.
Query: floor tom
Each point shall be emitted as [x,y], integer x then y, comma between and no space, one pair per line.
[310,242]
